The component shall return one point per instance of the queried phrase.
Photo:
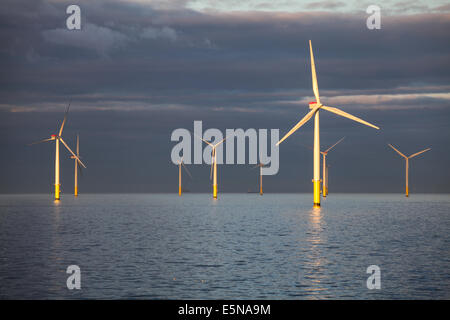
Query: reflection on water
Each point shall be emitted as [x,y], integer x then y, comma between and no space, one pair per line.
[54,282]
[240,246]
[315,257]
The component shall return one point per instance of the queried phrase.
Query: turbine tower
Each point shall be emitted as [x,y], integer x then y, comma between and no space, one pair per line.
[260,165]
[407,165]
[181,164]
[58,138]
[315,109]
[325,168]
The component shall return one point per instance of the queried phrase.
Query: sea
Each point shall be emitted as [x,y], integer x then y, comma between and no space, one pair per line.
[240,246]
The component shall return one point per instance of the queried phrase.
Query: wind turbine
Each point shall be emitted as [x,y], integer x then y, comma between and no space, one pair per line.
[57,138]
[77,166]
[407,165]
[181,164]
[325,168]
[315,107]
[260,165]
[213,172]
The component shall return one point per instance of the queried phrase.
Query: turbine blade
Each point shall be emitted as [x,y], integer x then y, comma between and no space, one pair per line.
[299,124]
[390,145]
[211,171]
[203,140]
[221,141]
[64,121]
[334,145]
[78,145]
[76,157]
[80,169]
[314,76]
[45,140]
[349,116]
[187,171]
[416,154]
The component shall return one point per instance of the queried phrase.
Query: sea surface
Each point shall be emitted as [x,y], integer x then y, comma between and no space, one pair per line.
[241,246]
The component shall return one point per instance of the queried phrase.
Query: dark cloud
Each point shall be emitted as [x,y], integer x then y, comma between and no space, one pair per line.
[97,38]
[135,72]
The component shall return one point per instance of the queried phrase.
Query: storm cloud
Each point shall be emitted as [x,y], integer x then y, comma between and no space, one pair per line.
[138,70]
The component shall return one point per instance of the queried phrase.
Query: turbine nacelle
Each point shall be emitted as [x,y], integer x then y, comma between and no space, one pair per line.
[314,104]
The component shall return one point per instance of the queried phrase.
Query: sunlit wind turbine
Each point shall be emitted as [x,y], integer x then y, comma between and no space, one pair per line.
[325,168]
[181,164]
[213,173]
[315,108]
[57,138]
[407,165]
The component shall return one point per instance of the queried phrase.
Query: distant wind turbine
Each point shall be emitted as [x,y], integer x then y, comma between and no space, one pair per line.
[325,168]
[213,173]
[181,164]
[77,166]
[260,165]
[57,138]
[315,108]
[407,165]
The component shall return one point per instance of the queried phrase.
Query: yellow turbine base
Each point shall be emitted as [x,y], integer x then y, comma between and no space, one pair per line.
[407,192]
[179,191]
[215,191]
[316,193]
[57,191]
[76,192]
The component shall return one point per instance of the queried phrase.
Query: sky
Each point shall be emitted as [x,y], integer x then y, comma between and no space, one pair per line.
[137,70]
